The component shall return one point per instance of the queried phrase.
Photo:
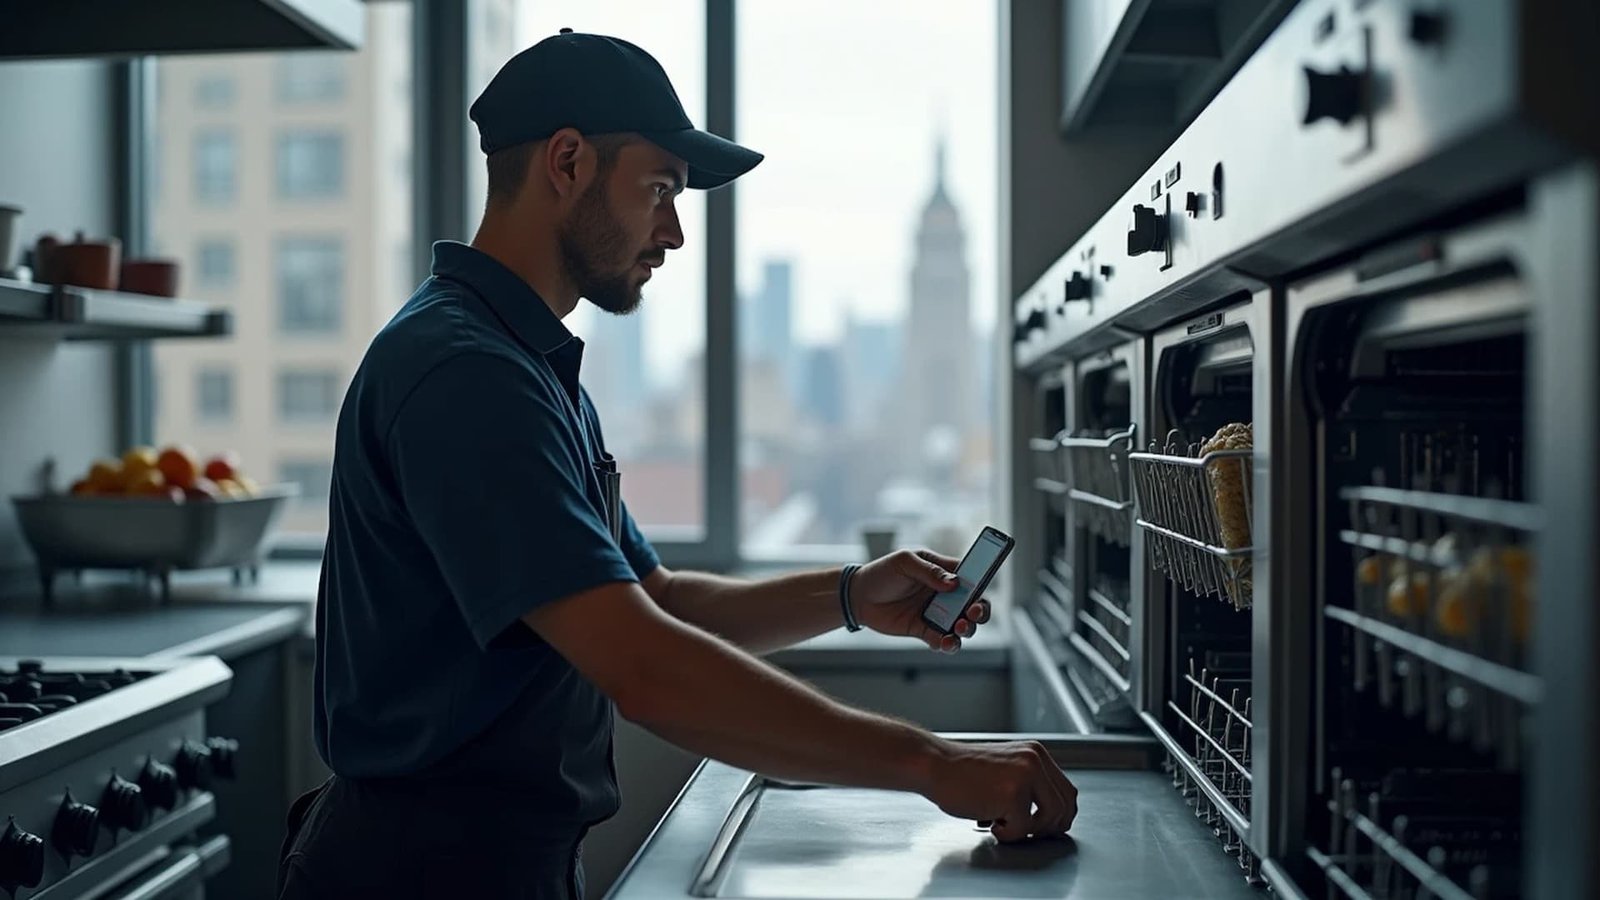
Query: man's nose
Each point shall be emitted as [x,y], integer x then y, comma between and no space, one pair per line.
[670,232]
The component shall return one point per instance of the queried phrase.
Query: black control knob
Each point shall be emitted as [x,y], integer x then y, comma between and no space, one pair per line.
[1338,95]
[193,765]
[1079,287]
[159,783]
[223,750]
[122,805]
[1426,27]
[21,858]
[1149,231]
[74,831]
[1192,202]
[29,666]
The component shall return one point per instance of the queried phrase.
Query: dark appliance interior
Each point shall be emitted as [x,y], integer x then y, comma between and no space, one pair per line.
[1421,689]
[1199,591]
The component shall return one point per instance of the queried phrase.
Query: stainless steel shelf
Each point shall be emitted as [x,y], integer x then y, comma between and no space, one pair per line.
[73,313]
[1483,510]
[1181,757]
[1105,603]
[1088,652]
[1427,876]
[1504,679]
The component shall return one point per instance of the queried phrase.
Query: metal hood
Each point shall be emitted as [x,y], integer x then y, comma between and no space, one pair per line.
[86,28]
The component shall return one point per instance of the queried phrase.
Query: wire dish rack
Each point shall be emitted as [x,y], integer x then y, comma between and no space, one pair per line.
[1423,833]
[1049,475]
[1097,479]
[1198,512]
[1442,612]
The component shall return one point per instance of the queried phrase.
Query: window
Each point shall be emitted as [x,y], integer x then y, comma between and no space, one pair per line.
[314,478]
[310,164]
[311,77]
[215,166]
[214,92]
[645,372]
[308,396]
[866,309]
[213,391]
[216,262]
[310,282]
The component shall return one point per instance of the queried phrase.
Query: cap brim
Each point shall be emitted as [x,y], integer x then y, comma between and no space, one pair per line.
[713,161]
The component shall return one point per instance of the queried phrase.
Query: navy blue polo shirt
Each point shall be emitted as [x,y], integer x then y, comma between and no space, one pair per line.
[464,496]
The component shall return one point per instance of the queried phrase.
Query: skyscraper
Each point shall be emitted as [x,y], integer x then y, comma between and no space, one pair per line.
[939,388]
[767,332]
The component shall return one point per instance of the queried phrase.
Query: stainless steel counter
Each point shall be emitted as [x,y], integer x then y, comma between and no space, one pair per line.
[731,834]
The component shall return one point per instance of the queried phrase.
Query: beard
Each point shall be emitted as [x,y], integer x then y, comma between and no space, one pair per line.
[597,254]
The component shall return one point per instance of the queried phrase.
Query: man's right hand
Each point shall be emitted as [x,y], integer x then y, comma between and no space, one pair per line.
[1015,789]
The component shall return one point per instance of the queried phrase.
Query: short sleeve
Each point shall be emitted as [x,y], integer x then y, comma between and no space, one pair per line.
[635,546]
[496,484]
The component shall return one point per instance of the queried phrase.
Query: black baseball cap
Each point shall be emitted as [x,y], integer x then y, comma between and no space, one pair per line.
[599,85]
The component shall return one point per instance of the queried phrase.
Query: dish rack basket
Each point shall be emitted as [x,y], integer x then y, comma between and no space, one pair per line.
[1098,483]
[1190,504]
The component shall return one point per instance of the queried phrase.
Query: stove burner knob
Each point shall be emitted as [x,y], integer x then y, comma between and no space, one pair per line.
[1426,27]
[1191,204]
[193,764]
[1338,95]
[27,712]
[21,858]
[223,751]
[1078,287]
[75,828]
[119,678]
[29,666]
[123,805]
[23,691]
[159,783]
[1149,231]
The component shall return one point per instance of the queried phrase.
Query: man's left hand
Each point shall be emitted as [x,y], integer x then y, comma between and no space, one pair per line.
[889,594]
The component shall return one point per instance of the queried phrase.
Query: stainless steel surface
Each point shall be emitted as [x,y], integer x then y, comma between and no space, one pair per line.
[70,532]
[74,313]
[1041,696]
[1134,837]
[135,628]
[146,736]
[1451,123]
[1097,480]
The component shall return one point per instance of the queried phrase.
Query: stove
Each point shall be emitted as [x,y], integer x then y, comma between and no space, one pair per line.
[105,774]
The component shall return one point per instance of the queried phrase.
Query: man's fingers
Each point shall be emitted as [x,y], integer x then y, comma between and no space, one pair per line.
[964,628]
[979,612]
[948,563]
[1015,825]
[930,572]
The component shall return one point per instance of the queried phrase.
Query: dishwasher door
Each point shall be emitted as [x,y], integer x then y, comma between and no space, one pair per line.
[1134,837]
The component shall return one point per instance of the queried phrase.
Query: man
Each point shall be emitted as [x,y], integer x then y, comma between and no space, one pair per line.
[486,604]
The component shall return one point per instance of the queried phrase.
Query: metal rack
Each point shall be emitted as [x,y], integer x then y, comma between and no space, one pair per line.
[1432,844]
[1049,478]
[1104,636]
[1442,611]
[1178,497]
[1097,480]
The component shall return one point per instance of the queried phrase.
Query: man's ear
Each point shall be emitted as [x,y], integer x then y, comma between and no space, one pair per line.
[560,162]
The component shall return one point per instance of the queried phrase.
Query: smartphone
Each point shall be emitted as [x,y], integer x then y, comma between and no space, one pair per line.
[983,559]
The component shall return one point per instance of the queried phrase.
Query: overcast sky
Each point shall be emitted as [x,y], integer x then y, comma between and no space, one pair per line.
[846,99]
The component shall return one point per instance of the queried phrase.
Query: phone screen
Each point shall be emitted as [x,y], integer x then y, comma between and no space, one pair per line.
[945,608]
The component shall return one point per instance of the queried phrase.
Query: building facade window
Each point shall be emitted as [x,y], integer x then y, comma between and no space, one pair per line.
[216,263]
[310,274]
[310,164]
[313,476]
[216,165]
[311,77]
[213,391]
[214,92]
[308,395]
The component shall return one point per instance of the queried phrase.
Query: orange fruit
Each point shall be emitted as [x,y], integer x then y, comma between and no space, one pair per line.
[139,459]
[179,465]
[105,476]
[82,487]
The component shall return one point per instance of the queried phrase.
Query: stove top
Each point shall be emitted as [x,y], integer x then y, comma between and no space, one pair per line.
[31,691]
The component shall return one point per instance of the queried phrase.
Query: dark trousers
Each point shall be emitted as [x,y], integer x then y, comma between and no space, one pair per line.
[351,840]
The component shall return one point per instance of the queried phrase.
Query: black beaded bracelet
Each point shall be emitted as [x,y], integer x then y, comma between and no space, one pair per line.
[850,622]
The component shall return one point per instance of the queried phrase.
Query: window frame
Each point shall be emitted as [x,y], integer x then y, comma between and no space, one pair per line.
[308,138]
[443,147]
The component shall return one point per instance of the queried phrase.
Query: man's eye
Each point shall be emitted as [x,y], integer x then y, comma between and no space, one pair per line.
[662,190]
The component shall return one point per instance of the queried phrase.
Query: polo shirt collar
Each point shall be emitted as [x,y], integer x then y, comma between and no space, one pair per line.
[519,305]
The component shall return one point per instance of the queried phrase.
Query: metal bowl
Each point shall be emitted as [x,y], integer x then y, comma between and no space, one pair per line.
[67,531]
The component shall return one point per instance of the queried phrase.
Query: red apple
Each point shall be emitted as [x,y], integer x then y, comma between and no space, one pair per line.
[223,466]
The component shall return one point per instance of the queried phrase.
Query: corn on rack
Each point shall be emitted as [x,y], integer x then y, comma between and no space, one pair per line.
[1178,498]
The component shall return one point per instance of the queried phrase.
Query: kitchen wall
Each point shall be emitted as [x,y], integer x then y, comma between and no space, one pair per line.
[56,162]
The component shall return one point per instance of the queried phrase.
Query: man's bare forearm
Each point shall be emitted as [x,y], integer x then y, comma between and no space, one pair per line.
[715,700]
[760,616]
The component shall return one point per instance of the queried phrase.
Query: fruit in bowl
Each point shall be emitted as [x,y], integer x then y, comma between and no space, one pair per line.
[175,472]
